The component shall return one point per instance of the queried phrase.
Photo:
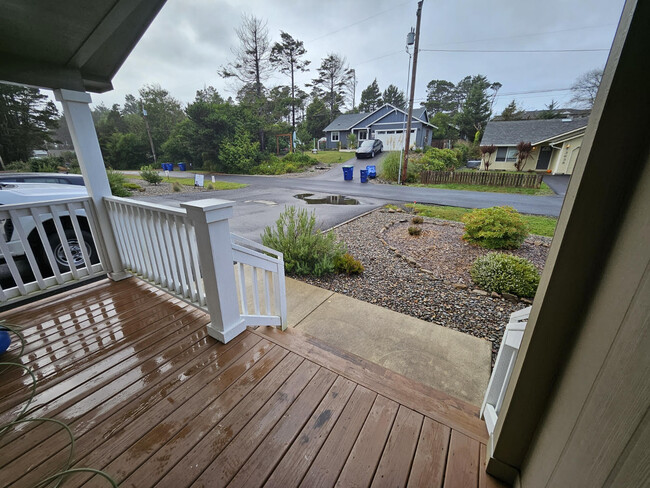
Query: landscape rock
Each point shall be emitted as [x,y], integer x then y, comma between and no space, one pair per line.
[482,293]
[460,286]
[510,297]
[494,294]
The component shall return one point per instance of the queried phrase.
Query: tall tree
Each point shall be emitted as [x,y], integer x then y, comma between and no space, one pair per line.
[351,87]
[370,98]
[317,118]
[333,76]
[512,112]
[27,120]
[475,113]
[287,56]
[586,87]
[441,97]
[395,97]
[251,65]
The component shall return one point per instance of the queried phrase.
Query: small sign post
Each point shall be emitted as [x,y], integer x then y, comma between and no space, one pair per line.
[198,180]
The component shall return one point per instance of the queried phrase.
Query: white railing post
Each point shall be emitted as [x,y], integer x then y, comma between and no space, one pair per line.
[212,230]
[82,129]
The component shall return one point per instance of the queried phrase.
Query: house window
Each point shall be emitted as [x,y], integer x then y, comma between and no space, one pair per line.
[508,154]
[335,137]
[363,135]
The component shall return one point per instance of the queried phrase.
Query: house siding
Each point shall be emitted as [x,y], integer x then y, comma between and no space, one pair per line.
[343,138]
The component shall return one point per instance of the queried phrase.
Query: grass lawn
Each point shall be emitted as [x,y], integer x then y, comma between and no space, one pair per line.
[218,185]
[332,157]
[544,189]
[541,226]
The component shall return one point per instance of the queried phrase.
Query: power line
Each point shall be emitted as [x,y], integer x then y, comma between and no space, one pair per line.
[526,35]
[358,22]
[513,50]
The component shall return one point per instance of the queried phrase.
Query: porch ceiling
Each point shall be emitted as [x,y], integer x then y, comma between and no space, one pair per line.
[72,44]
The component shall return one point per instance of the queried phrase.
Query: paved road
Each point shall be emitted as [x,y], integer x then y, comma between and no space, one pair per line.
[263,200]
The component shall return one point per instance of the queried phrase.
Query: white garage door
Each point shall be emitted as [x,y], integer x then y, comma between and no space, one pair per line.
[393,140]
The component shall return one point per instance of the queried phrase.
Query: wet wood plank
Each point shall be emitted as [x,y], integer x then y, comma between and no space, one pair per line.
[395,463]
[363,460]
[154,401]
[431,455]
[325,469]
[462,462]
[439,406]
[303,451]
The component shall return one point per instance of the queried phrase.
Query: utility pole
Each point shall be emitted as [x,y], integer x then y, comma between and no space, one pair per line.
[412,95]
[146,124]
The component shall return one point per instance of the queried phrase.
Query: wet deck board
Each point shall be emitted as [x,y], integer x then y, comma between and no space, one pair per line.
[153,401]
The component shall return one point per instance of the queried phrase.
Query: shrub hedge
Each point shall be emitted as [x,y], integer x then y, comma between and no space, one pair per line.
[495,228]
[504,273]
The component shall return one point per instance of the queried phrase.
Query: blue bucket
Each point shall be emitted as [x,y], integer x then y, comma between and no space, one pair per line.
[181,166]
[364,175]
[348,173]
[372,171]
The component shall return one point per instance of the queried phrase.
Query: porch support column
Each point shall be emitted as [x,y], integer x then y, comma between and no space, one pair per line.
[210,219]
[86,145]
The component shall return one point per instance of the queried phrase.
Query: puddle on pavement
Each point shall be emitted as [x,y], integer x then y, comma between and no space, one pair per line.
[314,199]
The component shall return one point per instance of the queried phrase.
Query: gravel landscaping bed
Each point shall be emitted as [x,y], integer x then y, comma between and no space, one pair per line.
[160,189]
[427,276]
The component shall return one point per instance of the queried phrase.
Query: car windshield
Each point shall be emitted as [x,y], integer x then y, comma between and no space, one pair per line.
[368,143]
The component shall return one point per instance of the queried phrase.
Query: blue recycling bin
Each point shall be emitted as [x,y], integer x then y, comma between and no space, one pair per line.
[348,172]
[163,166]
[372,171]
[5,340]
[181,167]
[364,175]
[168,167]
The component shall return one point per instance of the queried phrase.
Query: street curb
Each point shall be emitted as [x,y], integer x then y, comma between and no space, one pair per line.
[353,219]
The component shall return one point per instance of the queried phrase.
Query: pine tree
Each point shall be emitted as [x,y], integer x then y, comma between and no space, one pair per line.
[512,112]
[287,57]
[333,78]
[370,98]
[395,97]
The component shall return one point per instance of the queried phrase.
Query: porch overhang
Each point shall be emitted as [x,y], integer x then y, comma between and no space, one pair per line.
[70,44]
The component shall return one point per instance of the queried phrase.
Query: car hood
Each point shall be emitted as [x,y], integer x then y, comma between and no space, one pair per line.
[15,193]
[365,149]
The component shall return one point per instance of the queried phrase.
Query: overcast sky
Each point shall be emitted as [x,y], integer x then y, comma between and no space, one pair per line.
[189,39]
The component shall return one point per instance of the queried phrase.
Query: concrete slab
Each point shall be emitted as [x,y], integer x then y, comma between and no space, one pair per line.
[303,299]
[450,361]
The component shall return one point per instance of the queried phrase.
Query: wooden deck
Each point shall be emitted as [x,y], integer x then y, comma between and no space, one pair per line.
[153,401]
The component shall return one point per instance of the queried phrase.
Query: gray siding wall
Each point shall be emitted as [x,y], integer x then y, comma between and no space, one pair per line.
[366,122]
[343,137]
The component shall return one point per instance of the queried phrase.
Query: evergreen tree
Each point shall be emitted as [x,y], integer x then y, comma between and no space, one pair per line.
[317,118]
[370,98]
[512,112]
[333,78]
[287,57]
[27,120]
[475,114]
[395,97]
[550,112]
[441,97]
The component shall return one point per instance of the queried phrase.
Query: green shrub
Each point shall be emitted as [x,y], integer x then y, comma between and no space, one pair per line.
[132,186]
[19,166]
[504,273]
[239,154]
[177,187]
[390,167]
[435,159]
[209,186]
[495,228]
[415,230]
[301,159]
[417,219]
[150,175]
[306,250]
[346,263]
[117,183]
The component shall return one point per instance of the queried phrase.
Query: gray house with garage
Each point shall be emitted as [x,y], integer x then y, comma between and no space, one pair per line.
[387,123]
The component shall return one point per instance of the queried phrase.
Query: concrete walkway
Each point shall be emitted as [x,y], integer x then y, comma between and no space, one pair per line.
[447,360]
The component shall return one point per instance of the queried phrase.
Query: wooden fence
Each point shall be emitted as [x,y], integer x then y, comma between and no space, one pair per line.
[488,178]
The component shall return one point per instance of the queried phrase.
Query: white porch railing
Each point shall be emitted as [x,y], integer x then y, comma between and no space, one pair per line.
[38,241]
[185,252]
[503,366]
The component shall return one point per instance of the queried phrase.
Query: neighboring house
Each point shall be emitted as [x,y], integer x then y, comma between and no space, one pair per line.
[387,124]
[564,113]
[556,143]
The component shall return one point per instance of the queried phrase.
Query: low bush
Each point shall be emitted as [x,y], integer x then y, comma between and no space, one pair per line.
[504,273]
[415,230]
[150,175]
[132,186]
[117,182]
[307,250]
[209,186]
[495,228]
[417,219]
[435,159]
[390,168]
[346,263]
[177,187]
